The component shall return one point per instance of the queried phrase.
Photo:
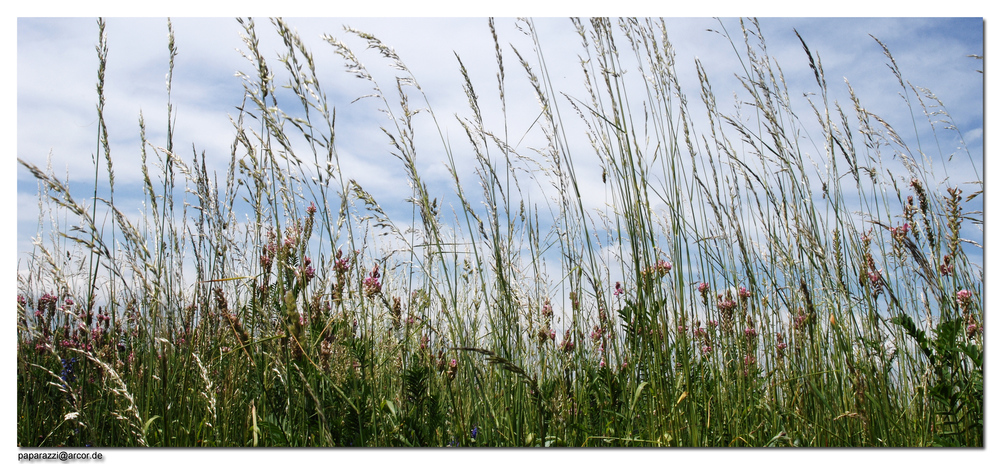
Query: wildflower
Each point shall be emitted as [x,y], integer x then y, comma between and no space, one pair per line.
[311,209]
[875,277]
[452,369]
[566,345]
[681,329]
[744,293]
[68,301]
[706,349]
[964,297]
[602,365]
[660,269]
[703,287]
[595,334]
[727,305]
[947,268]
[800,319]
[547,309]
[972,329]
[68,375]
[475,431]
[552,335]
[749,360]
[700,332]
[543,335]
[750,332]
[899,233]
[341,264]
[372,284]
[619,290]
[21,301]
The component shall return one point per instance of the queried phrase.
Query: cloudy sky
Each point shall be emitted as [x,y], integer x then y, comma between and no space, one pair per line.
[57,74]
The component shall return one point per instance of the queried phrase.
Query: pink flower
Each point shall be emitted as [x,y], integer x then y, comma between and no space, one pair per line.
[372,284]
[618,289]
[744,293]
[972,329]
[703,287]
[964,297]
[547,309]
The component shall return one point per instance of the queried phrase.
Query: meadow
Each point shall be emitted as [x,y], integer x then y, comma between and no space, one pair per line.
[757,276]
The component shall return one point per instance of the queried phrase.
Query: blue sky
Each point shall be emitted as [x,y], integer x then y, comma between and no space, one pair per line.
[56,74]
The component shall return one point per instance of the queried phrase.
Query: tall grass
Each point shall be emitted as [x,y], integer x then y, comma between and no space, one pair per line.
[278,303]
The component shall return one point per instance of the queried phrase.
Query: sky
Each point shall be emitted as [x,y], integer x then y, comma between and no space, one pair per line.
[56,73]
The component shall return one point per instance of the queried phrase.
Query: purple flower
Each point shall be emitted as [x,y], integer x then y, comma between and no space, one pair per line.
[619,290]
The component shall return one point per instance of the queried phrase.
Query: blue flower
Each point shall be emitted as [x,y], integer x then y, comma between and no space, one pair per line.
[67,374]
[475,431]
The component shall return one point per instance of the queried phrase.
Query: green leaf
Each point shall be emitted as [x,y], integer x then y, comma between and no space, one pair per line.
[904,321]
[145,426]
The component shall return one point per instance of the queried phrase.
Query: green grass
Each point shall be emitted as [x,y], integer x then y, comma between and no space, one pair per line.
[759,303]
